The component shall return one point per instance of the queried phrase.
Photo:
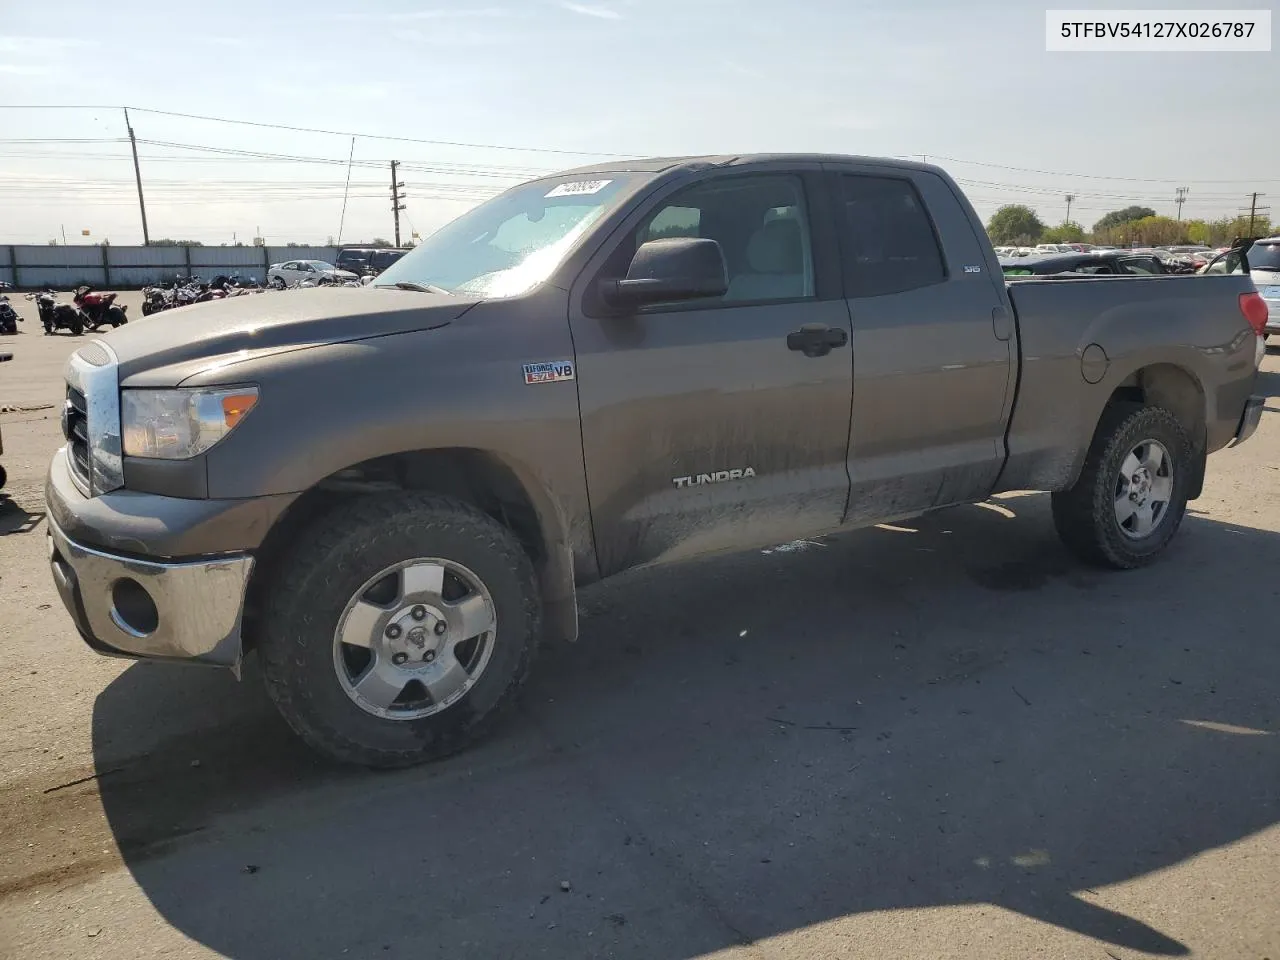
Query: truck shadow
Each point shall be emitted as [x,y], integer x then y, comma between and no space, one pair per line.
[942,712]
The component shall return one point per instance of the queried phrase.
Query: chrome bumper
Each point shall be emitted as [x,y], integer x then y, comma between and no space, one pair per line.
[1249,419]
[187,611]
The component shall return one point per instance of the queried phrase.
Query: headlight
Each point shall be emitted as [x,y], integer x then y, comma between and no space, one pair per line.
[179,424]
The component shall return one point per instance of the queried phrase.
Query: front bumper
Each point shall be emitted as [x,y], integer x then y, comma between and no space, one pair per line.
[154,577]
[123,606]
[1249,419]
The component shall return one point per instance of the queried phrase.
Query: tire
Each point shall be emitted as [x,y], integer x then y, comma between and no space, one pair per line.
[116,317]
[327,571]
[77,327]
[278,283]
[4,477]
[1087,516]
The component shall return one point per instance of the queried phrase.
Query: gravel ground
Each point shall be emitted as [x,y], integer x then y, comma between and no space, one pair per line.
[945,739]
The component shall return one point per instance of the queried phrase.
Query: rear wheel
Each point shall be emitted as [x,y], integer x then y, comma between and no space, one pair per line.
[77,326]
[398,629]
[116,316]
[1131,495]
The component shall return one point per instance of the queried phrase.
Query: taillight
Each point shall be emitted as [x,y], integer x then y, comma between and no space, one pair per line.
[1254,309]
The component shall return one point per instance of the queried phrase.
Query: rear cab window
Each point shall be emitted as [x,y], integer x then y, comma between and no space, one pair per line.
[889,241]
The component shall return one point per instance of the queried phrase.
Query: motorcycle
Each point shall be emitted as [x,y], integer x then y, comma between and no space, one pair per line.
[155,299]
[99,308]
[8,316]
[3,475]
[55,315]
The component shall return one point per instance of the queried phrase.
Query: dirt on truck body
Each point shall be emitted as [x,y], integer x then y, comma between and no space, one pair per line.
[391,494]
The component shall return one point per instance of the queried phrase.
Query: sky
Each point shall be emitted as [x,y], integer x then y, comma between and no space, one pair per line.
[503,90]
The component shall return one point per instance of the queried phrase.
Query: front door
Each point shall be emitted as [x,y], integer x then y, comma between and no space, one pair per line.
[703,427]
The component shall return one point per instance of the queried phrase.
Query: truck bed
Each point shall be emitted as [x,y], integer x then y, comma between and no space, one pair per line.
[1068,326]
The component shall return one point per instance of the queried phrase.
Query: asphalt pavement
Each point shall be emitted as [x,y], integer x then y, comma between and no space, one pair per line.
[944,738]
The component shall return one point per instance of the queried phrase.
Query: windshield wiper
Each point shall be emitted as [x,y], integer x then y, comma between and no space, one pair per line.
[418,287]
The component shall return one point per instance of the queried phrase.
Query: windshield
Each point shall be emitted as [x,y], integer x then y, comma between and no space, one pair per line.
[320,264]
[510,244]
[1264,256]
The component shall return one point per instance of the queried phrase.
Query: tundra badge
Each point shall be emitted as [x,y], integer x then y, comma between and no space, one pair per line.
[720,476]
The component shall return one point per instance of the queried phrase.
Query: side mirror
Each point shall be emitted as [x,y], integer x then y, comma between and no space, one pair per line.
[678,268]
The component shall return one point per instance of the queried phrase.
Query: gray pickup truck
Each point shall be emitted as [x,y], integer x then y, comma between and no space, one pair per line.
[392,493]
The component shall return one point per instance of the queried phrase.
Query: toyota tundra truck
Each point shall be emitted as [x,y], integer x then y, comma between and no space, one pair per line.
[392,494]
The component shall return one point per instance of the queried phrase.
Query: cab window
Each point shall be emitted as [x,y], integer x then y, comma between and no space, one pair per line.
[762,226]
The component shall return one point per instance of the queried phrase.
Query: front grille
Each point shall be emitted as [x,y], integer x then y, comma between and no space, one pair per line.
[75,427]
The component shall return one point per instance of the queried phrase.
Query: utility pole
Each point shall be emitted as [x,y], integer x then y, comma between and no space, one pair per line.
[396,197]
[1254,209]
[1070,197]
[137,173]
[1180,198]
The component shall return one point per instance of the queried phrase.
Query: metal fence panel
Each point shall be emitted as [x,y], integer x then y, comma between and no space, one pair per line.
[141,276]
[146,256]
[281,254]
[62,278]
[6,275]
[238,257]
[51,256]
[6,256]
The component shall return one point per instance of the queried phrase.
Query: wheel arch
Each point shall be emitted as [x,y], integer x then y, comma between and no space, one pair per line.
[1178,390]
[506,490]
[1161,384]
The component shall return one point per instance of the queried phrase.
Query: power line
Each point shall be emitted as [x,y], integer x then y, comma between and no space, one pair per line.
[1092,176]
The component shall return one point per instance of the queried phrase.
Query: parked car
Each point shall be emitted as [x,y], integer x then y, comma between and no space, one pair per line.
[1261,260]
[368,260]
[663,368]
[294,272]
[1119,262]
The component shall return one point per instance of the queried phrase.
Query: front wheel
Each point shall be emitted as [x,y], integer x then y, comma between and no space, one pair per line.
[278,283]
[1131,495]
[398,628]
[77,327]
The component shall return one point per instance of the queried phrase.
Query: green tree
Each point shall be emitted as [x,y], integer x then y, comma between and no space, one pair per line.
[1117,217]
[1014,223]
[1067,233]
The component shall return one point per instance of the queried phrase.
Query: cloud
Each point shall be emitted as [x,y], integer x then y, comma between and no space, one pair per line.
[42,45]
[476,13]
[589,10]
[24,70]
[417,16]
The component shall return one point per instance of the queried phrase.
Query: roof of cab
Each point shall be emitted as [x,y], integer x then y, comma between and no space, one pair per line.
[666,164]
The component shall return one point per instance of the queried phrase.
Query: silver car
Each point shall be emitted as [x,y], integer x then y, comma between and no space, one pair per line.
[1263,264]
[293,273]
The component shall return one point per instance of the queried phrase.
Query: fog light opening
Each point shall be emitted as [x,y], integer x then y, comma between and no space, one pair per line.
[132,608]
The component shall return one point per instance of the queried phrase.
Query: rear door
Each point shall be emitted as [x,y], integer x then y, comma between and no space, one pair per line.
[705,425]
[932,340]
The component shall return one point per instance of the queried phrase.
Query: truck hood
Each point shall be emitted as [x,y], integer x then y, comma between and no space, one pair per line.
[259,324]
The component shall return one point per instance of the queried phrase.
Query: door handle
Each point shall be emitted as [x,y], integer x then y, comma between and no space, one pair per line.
[816,339]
